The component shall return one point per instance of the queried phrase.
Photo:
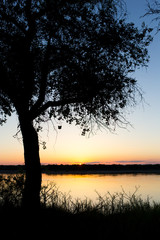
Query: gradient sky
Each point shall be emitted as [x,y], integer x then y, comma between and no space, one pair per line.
[137,144]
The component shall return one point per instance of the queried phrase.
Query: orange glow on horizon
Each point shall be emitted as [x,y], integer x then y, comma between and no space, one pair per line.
[67,146]
[68,161]
[16,157]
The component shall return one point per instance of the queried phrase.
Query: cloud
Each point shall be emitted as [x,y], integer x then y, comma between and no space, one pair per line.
[124,162]
[97,162]
[138,162]
[134,161]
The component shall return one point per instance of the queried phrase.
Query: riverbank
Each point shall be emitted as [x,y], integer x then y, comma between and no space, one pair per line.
[87,169]
[61,217]
[57,224]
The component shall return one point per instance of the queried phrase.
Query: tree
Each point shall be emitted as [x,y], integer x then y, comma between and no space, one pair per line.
[68,60]
[154,10]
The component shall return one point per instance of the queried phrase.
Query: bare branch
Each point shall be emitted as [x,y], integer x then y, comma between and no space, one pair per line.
[154,8]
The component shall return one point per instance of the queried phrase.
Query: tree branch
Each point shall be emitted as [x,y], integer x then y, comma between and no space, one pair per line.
[43,81]
[153,9]
[49,104]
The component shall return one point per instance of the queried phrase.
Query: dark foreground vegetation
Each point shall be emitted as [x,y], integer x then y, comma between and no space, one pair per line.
[119,215]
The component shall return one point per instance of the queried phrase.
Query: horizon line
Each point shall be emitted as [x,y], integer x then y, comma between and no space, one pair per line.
[90,163]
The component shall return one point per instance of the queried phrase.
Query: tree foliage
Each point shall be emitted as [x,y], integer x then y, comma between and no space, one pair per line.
[69,60]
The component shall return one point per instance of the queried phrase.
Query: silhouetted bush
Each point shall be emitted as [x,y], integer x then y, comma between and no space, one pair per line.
[11,190]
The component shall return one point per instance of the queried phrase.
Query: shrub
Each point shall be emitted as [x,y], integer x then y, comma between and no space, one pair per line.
[11,190]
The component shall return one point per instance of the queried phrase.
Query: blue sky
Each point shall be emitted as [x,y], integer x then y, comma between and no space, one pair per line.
[137,144]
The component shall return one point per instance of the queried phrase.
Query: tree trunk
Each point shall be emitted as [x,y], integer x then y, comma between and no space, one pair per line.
[31,197]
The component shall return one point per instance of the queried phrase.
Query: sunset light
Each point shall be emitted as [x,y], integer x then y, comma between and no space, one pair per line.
[80,119]
[67,146]
[137,144]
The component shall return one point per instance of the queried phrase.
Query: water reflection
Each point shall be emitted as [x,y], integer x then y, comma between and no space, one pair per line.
[82,186]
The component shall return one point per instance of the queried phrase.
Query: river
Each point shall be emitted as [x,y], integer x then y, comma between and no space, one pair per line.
[90,185]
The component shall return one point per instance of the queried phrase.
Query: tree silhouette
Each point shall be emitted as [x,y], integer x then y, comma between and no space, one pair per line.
[68,60]
[153,10]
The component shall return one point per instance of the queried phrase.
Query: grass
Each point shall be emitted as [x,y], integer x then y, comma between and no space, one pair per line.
[117,215]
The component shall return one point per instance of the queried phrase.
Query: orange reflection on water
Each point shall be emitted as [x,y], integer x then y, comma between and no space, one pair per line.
[82,186]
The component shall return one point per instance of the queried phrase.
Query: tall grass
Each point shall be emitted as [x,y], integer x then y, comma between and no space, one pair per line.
[11,192]
[115,215]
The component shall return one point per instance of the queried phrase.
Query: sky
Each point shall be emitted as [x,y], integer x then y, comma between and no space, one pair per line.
[138,144]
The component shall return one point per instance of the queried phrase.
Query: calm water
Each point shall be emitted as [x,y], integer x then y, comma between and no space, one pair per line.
[82,186]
